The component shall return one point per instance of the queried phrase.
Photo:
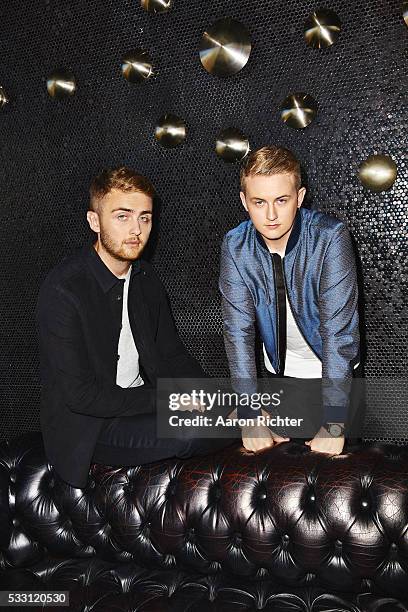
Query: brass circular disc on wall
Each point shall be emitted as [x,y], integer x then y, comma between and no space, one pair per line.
[137,66]
[298,110]
[378,172]
[225,47]
[156,6]
[3,98]
[61,84]
[231,145]
[170,131]
[322,28]
[405,12]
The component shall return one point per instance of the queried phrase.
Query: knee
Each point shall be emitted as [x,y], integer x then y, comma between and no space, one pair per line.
[187,443]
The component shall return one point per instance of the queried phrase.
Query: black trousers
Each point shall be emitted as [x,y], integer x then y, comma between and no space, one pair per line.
[354,424]
[132,441]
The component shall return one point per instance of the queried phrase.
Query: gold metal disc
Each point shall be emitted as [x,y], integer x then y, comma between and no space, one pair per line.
[231,145]
[3,98]
[405,12]
[156,6]
[170,131]
[298,110]
[137,66]
[378,172]
[225,47]
[61,84]
[322,28]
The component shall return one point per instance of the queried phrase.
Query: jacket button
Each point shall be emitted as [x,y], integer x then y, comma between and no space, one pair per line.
[118,297]
[117,357]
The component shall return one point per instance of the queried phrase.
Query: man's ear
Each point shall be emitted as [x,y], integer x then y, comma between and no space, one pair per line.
[243,200]
[301,195]
[93,220]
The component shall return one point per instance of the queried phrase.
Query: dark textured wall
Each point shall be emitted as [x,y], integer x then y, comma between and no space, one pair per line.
[51,149]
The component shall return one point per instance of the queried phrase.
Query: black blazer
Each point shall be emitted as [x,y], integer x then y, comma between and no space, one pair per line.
[78,320]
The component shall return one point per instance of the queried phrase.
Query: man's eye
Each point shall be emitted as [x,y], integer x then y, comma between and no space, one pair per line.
[259,202]
[282,201]
[122,217]
[145,219]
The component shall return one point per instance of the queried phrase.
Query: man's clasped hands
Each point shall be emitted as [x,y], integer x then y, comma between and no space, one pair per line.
[258,437]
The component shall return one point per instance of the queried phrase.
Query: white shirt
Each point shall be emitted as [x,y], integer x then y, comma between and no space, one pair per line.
[127,373]
[300,360]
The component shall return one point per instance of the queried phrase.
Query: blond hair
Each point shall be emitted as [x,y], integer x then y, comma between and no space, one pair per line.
[270,160]
[123,178]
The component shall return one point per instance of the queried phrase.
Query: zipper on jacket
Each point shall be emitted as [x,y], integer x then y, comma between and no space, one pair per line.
[280,331]
[293,315]
[277,316]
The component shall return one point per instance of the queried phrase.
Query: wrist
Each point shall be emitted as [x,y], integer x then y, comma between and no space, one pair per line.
[334,429]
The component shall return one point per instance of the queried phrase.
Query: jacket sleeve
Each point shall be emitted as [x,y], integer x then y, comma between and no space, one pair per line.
[339,325]
[238,312]
[64,356]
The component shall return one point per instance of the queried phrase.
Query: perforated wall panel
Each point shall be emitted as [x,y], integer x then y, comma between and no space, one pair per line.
[50,150]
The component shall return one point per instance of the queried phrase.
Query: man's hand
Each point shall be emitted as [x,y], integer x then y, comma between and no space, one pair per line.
[255,438]
[258,437]
[192,405]
[324,443]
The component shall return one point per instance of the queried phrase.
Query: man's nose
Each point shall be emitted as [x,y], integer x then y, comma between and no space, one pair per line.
[270,212]
[136,227]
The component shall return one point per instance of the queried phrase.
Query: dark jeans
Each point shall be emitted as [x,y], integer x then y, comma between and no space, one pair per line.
[297,396]
[132,441]
[355,415]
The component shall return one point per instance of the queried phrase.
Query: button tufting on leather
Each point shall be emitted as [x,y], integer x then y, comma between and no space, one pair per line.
[338,546]
[191,533]
[393,552]
[216,491]
[171,489]
[215,566]
[169,560]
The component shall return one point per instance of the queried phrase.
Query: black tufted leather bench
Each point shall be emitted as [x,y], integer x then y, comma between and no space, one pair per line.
[284,530]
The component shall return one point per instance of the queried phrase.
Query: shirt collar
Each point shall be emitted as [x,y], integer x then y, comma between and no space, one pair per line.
[100,270]
[294,234]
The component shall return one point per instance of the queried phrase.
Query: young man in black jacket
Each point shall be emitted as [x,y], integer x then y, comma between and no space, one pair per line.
[106,334]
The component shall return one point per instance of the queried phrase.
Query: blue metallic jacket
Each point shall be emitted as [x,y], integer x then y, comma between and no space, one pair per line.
[320,280]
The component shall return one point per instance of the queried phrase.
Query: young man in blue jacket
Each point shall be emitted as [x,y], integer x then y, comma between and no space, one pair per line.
[291,271]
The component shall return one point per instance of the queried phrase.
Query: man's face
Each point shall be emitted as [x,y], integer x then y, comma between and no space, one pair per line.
[272,202]
[124,223]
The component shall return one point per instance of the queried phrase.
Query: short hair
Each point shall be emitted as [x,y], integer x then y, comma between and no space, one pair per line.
[123,178]
[270,160]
